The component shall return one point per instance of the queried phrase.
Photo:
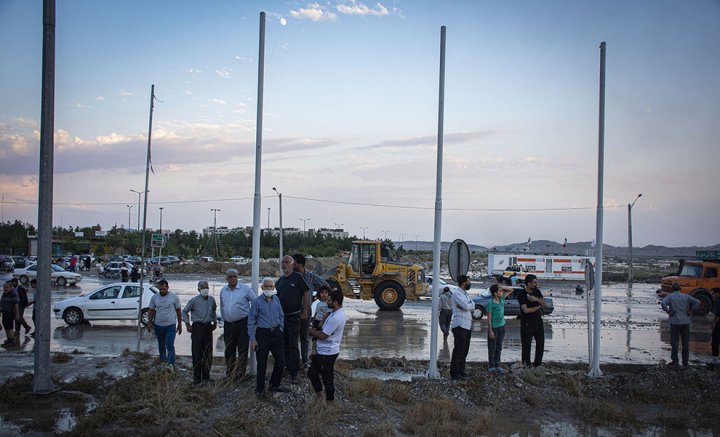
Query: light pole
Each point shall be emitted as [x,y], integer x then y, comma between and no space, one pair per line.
[416,242]
[281,228]
[268,219]
[385,232]
[630,254]
[402,240]
[304,223]
[138,210]
[338,225]
[161,233]
[129,209]
[363,228]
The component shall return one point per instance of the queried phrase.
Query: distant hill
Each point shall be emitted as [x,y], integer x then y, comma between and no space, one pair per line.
[577,248]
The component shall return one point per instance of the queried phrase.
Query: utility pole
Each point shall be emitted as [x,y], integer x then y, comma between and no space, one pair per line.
[416,242]
[402,240]
[363,228]
[385,232]
[268,219]
[42,384]
[161,233]
[304,222]
[129,209]
[630,246]
[281,227]
[138,210]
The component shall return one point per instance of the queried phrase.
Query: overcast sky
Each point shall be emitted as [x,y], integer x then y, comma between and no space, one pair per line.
[351,114]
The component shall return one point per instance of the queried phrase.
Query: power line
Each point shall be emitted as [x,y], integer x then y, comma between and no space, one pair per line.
[337,202]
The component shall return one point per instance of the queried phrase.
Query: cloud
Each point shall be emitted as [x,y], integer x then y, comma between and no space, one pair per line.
[218,101]
[283,21]
[430,140]
[100,98]
[355,8]
[224,72]
[125,94]
[314,12]
[243,58]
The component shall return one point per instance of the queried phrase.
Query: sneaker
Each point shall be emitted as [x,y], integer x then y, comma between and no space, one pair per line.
[278,389]
[492,370]
[501,371]
[260,395]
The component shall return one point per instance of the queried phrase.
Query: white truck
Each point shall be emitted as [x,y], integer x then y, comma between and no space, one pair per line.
[568,267]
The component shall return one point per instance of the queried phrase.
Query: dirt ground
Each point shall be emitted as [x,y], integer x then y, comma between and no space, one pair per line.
[556,399]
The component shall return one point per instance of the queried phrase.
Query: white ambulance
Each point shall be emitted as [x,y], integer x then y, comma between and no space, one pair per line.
[568,267]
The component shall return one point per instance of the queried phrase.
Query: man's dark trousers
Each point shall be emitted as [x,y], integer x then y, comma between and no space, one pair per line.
[323,366]
[201,338]
[291,335]
[237,343]
[682,333]
[304,339]
[530,330]
[269,341]
[460,351]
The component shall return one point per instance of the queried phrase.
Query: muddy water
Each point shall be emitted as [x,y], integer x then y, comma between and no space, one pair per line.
[634,329]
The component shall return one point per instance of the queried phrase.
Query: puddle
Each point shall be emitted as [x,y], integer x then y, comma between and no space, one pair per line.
[66,421]
[7,428]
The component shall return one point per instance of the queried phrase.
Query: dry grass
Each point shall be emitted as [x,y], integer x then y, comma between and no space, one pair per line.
[397,392]
[573,385]
[446,417]
[60,357]
[534,377]
[382,429]
[603,413]
[359,389]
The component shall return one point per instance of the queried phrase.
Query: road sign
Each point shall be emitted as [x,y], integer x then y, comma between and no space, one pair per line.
[458,259]
[157,240]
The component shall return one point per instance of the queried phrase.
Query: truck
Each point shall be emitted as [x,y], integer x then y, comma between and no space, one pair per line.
[371,269]
[697,277]
[568,267]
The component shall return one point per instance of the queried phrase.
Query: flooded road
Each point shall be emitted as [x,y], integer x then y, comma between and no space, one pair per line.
[634,329]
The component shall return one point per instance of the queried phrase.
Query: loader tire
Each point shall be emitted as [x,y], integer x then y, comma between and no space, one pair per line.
[389,296]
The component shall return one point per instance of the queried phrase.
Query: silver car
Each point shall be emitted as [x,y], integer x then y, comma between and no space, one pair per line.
[117,301]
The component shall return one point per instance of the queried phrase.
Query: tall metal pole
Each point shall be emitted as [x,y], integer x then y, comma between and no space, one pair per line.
[363,228]
[630,246]
[595,370]
[432,370]
[138,210]
[258,171]
[41,378]
[142,248]
[304,223]
[130,207]
[268,219]
[281,227]
[161,233]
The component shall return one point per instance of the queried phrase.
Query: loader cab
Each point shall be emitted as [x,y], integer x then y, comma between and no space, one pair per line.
[363,257]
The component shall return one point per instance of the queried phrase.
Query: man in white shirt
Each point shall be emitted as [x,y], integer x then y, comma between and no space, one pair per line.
[328,348]
[461,326]
[235,301]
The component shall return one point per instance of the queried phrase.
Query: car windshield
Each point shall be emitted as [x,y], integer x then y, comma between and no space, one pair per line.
[691,270]
[154,290]
[57,268]
[485,293]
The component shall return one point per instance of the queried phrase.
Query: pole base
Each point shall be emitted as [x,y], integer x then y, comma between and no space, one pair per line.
[432,373]
[595,372]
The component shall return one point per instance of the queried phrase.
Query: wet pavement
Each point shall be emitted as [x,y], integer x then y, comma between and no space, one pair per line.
[634,328]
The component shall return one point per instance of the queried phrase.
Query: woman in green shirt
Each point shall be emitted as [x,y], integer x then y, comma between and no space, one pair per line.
[496,325]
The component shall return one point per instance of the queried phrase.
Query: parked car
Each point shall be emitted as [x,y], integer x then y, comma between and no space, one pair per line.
[170,260]
[117,301]
[6,263]
[512,307]
[31,260]
[19,261]
[207,259]
[441,283]
[239,260]
[59,275]
[112,269]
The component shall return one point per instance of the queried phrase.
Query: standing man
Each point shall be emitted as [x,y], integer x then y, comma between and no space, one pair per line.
[328,348]
[164,310]
[293,292]
[446,312]
[202,309]
[461,325]
[22,304]
[679,307]
[235,300]
[715,342]
[531,323]
[9,310]
[265,327]
[314,282]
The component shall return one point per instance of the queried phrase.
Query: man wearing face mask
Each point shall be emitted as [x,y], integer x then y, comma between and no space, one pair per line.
[265,328]
[202,311]
[235,300]
[461,326]
[164,307]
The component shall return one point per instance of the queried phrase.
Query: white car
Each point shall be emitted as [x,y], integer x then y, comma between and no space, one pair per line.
[239,260]
[59,275]
[117,301]
[442,284]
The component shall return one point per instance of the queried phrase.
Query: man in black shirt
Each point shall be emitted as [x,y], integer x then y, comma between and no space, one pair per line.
[531,324]
[716,330]
[293,292]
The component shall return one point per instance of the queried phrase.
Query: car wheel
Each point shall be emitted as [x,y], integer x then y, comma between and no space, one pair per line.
[24,280]
[144,317]
[61,281]
[478,313]
[73,316]
[705,302]
[389,296]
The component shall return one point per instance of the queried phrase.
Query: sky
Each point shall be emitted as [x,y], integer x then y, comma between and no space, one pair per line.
[350,116]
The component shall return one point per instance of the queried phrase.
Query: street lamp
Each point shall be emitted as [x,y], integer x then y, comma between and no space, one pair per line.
[281,228]
[268,219]
[630,255]
[363,228]
[161,234]
[385,232]
[129,209]
[138,210]
[338,225]
[304,223]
